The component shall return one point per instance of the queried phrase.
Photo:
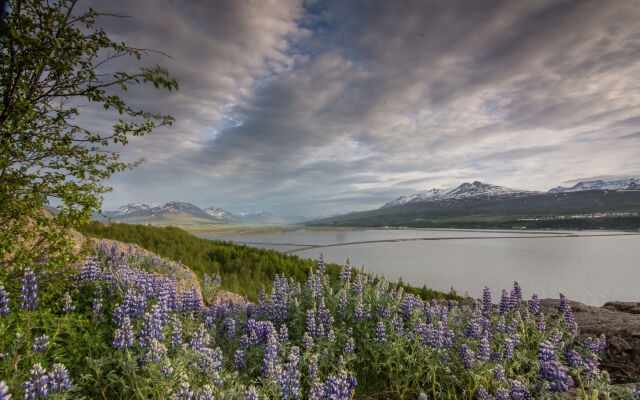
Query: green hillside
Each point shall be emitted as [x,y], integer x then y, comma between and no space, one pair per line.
[244,270]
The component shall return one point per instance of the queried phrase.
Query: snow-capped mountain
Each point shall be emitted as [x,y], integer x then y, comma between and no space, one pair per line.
[150,212]
[220,214]
[465,190]
[616,184]
[131,210]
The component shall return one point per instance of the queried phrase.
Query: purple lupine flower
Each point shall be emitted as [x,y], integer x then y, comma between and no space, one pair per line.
[97,306]
[38,383]
[423,396]
[574,359]
[569,318]
[29,291]
[342,304]
[320,330]
[509,346]
[467,356]
[166,367]
[270,360]
[474,329]
[518,391]
[284,333]
[200,339]
[555,373]
[498,373]
[311,322]
[4,303]
[238,360]
[40,343]
[59,378]
[251,394]
[312,368]
[340,387]
[331,336]
[210,364]
[244,342]
[117,314]
[487,305]
[481,393]
[505,302]
[592,364]
[484,352]
[184,393]
[316,392]
[152,327]
[290,378]
[516,296]
[349,347]
[308,341]
[502,394]
[229,326]
[321,264]
[541,325]
[546,351]
[596,345]
[156,351]
[381,333]
[534,305]
[4,395]
[176,333]
[127,331]
[205,393]
[68,303]
[345,271]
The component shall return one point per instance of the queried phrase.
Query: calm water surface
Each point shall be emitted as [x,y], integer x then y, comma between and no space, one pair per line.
[585,267]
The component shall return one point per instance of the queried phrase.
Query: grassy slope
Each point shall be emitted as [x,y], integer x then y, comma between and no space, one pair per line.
[244,270]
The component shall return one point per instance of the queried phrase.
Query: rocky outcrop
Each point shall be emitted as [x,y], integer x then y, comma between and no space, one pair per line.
[620,323]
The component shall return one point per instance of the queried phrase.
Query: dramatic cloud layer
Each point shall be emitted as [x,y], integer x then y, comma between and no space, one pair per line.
[310,108]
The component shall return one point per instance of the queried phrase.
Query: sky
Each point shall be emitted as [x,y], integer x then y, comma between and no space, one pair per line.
[321,107]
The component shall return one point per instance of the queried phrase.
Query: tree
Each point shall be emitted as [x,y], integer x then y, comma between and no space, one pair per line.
[54,60]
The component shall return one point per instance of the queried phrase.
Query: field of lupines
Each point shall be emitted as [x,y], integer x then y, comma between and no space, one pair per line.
[114,330]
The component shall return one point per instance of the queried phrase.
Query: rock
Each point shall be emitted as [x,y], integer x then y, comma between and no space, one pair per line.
[620,323]
[226,296]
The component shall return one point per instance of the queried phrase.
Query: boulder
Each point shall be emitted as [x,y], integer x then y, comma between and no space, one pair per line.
[620,323]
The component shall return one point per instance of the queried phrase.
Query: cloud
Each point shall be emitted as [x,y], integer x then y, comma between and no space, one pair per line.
[329,106]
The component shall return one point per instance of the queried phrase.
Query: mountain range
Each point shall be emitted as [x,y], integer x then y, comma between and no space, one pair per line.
[481,204]
[183,212]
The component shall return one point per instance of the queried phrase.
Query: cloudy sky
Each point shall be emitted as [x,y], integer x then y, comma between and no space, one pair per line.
[319,107]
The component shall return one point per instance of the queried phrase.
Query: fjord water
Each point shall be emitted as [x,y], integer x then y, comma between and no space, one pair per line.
[589,266]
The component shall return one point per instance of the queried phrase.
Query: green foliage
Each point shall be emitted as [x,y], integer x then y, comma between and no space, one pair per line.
[244,270]
[400,367]
[53,61]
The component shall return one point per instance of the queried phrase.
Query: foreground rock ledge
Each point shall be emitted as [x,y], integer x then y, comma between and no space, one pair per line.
[620,323]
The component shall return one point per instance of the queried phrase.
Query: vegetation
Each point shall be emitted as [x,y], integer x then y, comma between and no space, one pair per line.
[245,270]
[115,331]
[54,62]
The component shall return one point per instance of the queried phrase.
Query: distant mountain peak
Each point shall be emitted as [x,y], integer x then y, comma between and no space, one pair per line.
[601,184]
[464,190]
